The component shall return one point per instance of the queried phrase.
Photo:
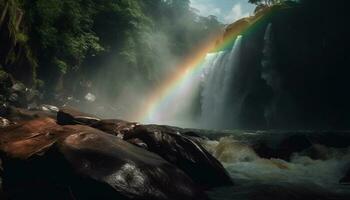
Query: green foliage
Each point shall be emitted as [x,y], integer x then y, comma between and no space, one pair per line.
[21,37]
[61,65]
[265,2]
[80,36]
[62,32]
[39,83]
[3,75]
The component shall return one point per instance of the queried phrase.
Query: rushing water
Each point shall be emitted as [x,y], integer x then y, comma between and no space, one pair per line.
[303,177]
[215,89]
[219,73]
[208,99]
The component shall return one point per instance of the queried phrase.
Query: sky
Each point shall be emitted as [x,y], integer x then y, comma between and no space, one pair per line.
[227,11]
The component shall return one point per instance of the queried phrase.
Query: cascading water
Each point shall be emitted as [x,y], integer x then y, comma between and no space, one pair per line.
[212,89]
[217,109]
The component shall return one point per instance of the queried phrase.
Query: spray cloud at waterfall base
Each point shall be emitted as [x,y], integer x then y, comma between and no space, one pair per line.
[273,81]
[277,75]
[263,99]
[210,85]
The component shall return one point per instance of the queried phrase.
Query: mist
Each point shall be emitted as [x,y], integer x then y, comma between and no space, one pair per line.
[135,64]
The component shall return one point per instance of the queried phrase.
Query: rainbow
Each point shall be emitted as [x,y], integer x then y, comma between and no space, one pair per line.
[166,93]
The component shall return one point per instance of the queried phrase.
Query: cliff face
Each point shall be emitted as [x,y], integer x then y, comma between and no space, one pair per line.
[15,55]
[294,69]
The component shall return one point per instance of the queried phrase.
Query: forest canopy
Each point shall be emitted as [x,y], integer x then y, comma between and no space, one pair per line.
[75,40]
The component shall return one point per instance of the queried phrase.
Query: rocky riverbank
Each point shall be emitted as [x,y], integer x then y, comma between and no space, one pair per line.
[52,153]
[72,155]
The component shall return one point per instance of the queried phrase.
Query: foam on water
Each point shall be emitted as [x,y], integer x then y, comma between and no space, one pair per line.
[301,175]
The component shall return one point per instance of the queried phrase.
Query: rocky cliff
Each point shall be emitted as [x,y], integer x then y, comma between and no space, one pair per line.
[294,67]
[15,55]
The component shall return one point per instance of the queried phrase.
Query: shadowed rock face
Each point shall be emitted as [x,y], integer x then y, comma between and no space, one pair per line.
[183,152]
[15,114]
[27,139]
[115,127]
[132,171]
[44,159]
[67,116]
[180,150]
[346,179]
[4,122]
[284,150]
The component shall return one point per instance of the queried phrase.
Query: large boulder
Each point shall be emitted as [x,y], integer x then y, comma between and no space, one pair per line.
[15,114]
[70,116]
[44,160]
[115,127]
[346,179]
[132,171]
[284,148]
[4,122]
[26,139]
[182,150]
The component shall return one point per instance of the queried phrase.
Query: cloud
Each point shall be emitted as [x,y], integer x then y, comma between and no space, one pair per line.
[235,14]
[205,9]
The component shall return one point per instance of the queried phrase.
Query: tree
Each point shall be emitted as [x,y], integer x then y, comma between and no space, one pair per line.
[77,39]
[264,2]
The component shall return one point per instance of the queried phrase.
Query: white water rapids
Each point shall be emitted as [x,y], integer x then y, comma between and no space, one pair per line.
[300,178]
[215,90]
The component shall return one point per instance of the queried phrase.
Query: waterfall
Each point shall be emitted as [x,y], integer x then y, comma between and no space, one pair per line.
[267,71]
[219,105]
[210,98]
[281,104]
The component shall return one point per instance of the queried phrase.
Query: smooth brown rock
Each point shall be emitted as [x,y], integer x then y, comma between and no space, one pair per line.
[44,160]
[15,114]
[4,122]
[184,152]
[134,172]
[115,127]
[25,139]
[70,116]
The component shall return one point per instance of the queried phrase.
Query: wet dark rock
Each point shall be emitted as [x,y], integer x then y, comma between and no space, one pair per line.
[4,110]
[282,152]
[44,108]
[274,144]
[322,152]
[5,81]
[4,122]
[138,142]
[192,134]
[132,171]
[26,139]
[69,116]
[31,95]
[15,114]
[336,139]
[281,145]
[44,160]
[293,144]
[115,127]
[18,87]
[183,152]
[14,98]
[346,179]
[15,93]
